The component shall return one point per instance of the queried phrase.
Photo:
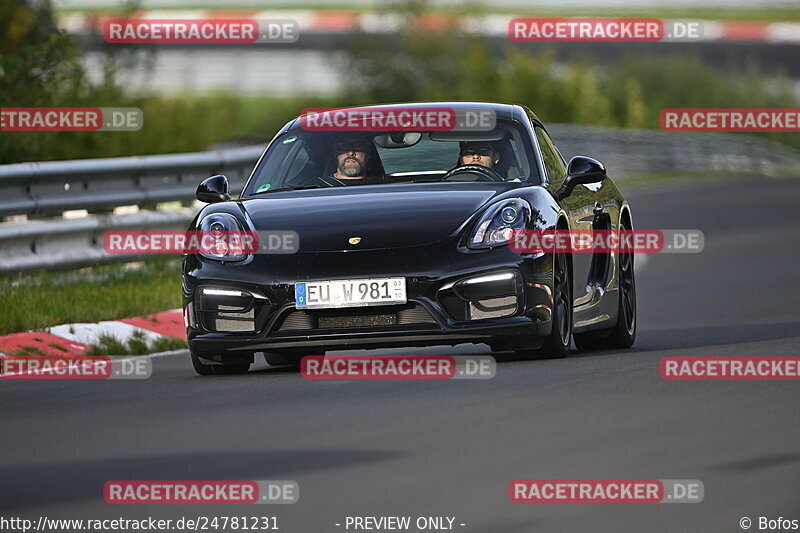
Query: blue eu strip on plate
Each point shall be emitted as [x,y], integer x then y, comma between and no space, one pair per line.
[300,294]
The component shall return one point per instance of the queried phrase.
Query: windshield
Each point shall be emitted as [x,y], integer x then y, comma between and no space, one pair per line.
[310,159]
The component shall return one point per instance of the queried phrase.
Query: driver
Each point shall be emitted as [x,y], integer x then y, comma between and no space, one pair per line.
[479,153]
[352,155]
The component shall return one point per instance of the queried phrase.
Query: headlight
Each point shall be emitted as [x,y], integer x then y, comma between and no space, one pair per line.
[220,246]
[497,225]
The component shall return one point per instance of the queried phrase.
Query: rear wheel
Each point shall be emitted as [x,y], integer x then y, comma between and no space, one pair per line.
[205,369]
[623,334]
[557,344]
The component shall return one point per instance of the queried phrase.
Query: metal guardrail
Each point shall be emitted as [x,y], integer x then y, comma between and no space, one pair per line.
[635,151]
[70,243]
[51,188]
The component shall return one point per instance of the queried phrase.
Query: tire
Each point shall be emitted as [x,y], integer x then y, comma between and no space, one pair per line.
[556,345]
[211,370]
[623,334]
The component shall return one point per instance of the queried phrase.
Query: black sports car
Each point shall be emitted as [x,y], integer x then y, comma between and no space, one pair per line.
[403,241]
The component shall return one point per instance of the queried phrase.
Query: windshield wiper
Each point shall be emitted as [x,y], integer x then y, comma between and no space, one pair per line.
[298,188]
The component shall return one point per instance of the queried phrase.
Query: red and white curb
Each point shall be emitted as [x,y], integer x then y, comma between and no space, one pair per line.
[344,21]
[75,339]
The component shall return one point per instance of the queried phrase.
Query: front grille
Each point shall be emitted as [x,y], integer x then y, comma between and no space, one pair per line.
[302,320]
[225,319]
[363,321]
[493,307]
[298,320]
[414,315]
[230,313]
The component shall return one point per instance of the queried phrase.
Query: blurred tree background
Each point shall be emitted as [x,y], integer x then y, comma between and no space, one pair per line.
[428,59]
[419,65]
[41,66]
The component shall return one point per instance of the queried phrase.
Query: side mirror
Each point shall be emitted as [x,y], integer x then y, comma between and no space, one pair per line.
[213,189]
[581,171]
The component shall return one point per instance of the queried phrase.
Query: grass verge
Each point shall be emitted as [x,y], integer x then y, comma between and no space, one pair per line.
[662,178]
[136,345]
[89,295]
[110,345]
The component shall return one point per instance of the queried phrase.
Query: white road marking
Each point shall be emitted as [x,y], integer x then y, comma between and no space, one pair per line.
[88,333]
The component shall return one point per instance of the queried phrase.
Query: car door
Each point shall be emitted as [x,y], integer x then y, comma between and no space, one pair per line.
[581,210]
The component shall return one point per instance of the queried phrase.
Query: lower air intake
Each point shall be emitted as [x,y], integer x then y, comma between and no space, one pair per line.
[363,321]
[301,320]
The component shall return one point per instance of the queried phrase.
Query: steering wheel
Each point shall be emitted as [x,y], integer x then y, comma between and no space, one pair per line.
[484,173]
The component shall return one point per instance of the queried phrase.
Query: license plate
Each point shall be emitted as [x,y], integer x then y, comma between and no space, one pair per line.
[350,293]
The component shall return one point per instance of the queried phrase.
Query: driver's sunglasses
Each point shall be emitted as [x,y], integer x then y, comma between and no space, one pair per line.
[483,152]
[358,146]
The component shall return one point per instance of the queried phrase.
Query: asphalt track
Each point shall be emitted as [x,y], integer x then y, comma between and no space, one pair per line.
[450,448]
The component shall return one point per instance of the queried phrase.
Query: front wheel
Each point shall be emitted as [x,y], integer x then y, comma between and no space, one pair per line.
[205,369]
[623,334]
[557,344]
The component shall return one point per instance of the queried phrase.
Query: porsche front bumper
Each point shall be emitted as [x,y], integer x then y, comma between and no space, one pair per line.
[441,309]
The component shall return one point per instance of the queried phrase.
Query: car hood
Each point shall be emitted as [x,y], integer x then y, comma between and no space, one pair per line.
[383,217]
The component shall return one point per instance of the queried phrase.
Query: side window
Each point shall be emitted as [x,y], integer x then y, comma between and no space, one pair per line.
[552,161]
[287,163]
